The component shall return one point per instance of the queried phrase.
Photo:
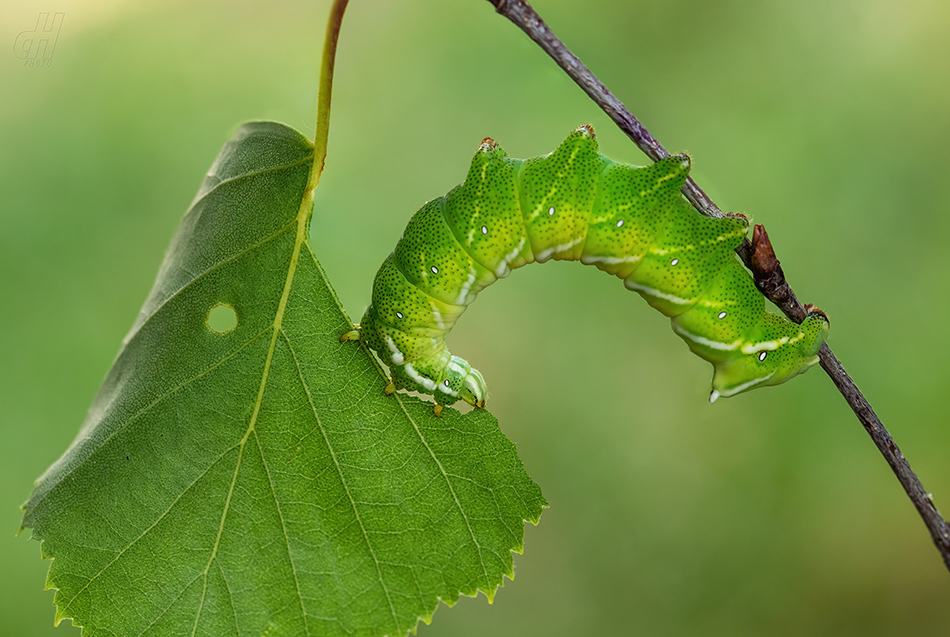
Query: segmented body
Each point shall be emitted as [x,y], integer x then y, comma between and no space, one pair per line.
[575,204]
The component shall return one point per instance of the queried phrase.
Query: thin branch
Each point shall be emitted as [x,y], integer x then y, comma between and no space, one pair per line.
[531,23]
[757,255]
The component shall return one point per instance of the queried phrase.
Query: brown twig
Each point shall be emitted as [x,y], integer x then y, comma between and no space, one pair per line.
[757,255]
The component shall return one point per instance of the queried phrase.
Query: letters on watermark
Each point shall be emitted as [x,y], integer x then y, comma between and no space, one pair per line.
[36,47]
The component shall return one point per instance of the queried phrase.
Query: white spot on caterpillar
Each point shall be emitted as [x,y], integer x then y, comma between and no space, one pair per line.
[713,396]
[620,223]
[434,269]
[428,383]
[726,347]
[543,256]
[588,260]
[722,315]
[656,293]
[399,315]
[398,358]
[445,389]
[484,229]
[674,262]
[503,270]
[762,356]
[551,211]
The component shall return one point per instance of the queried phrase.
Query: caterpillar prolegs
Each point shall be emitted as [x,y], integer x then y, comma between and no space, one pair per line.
[575,204]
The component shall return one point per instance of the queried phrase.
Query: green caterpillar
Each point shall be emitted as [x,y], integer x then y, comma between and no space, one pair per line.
[575,204]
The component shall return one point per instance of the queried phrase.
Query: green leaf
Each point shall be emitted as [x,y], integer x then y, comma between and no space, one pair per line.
[241,471]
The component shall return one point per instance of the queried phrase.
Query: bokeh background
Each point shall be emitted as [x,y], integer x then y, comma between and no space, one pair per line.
[771,513]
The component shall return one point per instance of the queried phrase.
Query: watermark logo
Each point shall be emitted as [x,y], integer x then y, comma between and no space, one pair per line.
[36,47]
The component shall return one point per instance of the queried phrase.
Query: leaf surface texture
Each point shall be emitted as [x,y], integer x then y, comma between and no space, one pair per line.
[257,481]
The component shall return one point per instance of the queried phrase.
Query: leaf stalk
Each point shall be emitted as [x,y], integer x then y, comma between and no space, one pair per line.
[322,133]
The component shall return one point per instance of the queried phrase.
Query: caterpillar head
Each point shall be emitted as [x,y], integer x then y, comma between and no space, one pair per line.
[773,358]
[466,382]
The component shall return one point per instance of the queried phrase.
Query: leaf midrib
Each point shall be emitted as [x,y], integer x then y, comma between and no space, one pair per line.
[302,219]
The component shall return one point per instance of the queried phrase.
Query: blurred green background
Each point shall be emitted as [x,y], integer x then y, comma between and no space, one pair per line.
[767,514]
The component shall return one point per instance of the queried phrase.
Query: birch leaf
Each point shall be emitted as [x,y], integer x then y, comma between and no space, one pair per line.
[241,472]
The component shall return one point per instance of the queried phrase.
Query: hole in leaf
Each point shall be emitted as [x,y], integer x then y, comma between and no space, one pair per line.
[222,318]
